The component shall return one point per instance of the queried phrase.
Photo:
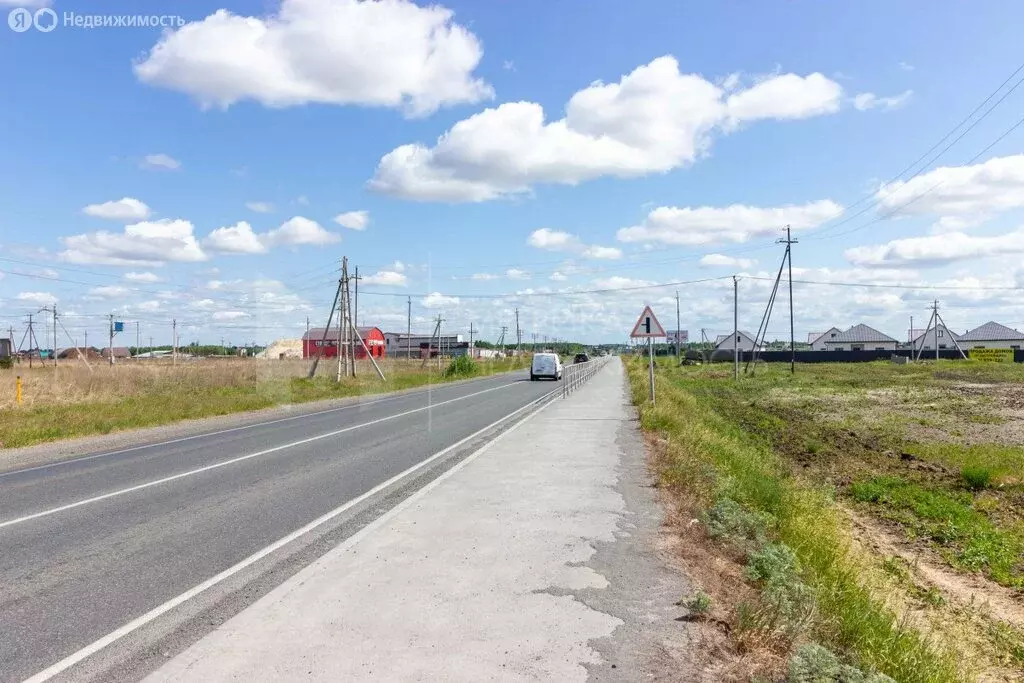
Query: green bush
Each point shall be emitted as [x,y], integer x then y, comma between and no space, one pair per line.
[728,520]
[813,663]
[463,366]
[700,604]
[6,363]
[774,562]
[976,477]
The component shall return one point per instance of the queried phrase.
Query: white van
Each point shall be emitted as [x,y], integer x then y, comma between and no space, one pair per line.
[546,365]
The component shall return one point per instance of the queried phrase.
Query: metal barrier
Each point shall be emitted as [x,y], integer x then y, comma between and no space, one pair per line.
[573,376]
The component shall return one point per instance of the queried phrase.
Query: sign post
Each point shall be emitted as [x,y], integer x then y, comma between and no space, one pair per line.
[648,326]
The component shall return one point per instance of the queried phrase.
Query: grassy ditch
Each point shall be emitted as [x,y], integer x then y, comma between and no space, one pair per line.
[815,603]
[133,395]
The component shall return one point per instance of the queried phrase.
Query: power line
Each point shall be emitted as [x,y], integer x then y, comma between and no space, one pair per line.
[892,286]
[574,292]
[931,189]
[914,163]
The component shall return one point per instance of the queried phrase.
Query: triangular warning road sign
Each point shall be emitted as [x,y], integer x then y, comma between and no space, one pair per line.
[647,325]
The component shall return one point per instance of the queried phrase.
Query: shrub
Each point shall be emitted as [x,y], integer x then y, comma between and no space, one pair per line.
[773,563]
[813,663]
[463,366]
[6,363]
[976,477]
[700,604]
[728,520]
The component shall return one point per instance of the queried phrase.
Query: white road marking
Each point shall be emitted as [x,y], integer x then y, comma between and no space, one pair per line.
[361,404]
[114,636]
[225,463]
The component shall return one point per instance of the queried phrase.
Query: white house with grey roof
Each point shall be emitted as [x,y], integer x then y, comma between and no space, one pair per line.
[992,335]
[745,341]
[936,337]
[817,339]
[861,338]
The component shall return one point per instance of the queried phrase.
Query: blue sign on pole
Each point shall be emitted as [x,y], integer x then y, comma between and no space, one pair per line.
[118,326]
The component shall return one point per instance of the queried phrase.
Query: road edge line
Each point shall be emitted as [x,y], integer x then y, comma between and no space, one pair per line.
[389,396]
[137,623]
[232,461]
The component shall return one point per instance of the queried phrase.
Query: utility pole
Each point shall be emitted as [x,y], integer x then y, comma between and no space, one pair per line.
[912,339]
[519,334]
[87,342]
[327,329]
[789,242]
[31,340]
[677,326]
[55,336]
[936,309]
[307,327]
[174,342]
[470,339]
[735,327]
[355,314]
[408,328]
[342,310]
[501,339]
[110,344]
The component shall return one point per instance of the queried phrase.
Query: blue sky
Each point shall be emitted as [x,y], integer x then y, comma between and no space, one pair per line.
[623,146]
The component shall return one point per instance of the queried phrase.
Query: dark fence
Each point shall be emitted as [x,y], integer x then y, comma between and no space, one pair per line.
[844,356]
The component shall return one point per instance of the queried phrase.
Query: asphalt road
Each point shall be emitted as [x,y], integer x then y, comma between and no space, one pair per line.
[88,545]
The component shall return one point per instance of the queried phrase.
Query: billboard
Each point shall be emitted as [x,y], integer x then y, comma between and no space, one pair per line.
[991,355]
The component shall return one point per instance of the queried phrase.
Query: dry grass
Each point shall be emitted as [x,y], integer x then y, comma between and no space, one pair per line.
[71,400]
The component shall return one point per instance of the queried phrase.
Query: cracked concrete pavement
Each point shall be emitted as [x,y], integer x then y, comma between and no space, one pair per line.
[533,559]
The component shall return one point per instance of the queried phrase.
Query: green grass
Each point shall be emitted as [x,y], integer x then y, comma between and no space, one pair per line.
[714,459]
[965,536]
[165,403]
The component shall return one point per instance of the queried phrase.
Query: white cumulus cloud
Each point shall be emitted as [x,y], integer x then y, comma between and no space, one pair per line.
[348,52]
[143,277]
[260,207]
[483,276]
[988,187]
[222,316]
[517,274]
[141,244]
[936,250]
[735,223]
[869,100]
[39,298]
[156,162]
[125,209]
[558,277]
[235,239]
[723,260]
[785,96]
[653,120]
[438,300]
[109,292]
[353,220]
[558,240]
[300,231]
[387,277]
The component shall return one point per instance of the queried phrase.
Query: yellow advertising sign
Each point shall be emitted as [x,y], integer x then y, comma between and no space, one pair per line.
[992,355]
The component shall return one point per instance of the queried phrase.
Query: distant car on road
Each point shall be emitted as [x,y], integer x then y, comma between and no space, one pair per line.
[546,365]
[581,358]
